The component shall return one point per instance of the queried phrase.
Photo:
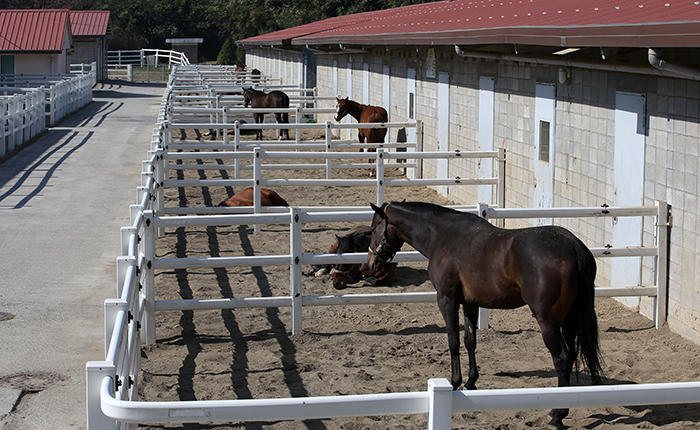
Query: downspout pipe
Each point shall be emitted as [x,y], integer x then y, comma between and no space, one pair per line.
[606,66]
[656,61]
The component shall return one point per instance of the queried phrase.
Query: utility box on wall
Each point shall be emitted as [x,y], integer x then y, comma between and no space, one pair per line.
[189,47]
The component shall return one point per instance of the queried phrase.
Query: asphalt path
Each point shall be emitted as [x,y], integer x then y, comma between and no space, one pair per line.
[63,199]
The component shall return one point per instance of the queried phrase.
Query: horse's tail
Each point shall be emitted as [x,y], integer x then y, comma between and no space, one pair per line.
[587,342]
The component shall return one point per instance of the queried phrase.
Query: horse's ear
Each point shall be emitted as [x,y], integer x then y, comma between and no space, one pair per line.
[378,210]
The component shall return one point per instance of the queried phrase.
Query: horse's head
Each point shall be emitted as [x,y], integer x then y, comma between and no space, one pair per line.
[341,278]
[246,96]
[385,242]
[344,274]
[341,108]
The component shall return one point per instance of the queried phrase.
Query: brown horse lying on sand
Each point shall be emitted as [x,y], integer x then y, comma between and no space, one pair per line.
[245,198]
[356,239]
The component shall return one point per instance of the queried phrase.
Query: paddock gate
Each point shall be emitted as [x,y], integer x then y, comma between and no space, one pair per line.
[130,317]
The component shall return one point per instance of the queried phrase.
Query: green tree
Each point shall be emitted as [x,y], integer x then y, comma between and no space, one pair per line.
[227,55]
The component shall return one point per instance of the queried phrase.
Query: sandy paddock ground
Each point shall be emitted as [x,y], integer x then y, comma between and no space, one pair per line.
[250,353]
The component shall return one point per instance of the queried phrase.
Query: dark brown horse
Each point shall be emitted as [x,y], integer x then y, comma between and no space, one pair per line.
[475,264]
[245,198]
[273,99]
[363,114]
[356,240]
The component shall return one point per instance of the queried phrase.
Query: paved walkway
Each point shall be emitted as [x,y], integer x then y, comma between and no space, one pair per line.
[63,200]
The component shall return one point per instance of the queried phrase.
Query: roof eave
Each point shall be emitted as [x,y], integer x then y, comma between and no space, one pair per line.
[638,36]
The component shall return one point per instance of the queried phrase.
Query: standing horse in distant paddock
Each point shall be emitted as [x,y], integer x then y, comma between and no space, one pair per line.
[363,114]
[475,264]
[273,99]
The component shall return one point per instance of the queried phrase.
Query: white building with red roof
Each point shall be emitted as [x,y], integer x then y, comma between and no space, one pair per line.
[35,41]
[91,29]
[595,102]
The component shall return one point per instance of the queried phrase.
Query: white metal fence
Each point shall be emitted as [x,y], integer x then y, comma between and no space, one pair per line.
[129,319]
[85,69]
[146,57]
[30,103]
[22,118]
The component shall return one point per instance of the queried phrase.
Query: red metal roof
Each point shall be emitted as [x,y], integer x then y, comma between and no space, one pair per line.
[89,22]
[539,22]
[33,29]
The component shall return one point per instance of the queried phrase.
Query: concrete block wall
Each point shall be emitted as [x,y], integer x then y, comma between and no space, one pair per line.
[584,147]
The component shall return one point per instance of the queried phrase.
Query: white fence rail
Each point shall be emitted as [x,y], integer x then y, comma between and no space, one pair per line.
[22,118]
[112,384]
[146,57]
[219,75]
[85,69]
[121,72]
[30,103]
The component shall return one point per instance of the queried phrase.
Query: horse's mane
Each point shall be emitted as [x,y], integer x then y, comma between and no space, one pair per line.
[423,209]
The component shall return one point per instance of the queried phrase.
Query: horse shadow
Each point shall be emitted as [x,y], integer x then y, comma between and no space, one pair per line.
[642,416]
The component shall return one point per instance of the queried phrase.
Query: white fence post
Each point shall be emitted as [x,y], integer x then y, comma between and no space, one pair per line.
[124,261]
[161,173]
[112,309]
[256,184]
[329,137]
[440,413]
[419,148]
[95,372]
[483,321]
[380,176]
[237,147]
[148,330]
[295,267]
[224,118]
[664,225]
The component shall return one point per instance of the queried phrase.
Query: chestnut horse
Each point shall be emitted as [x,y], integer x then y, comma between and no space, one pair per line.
[273,99]
[364,113]
[245,198]
[356,240]
[476,264]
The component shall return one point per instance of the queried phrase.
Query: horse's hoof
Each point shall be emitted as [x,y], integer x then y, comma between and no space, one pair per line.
[382,283]
[321,272]
[557,416]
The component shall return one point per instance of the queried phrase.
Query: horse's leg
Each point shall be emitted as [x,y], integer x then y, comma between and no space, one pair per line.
[471,314]
[259,119]
[285,120]
[563,356]
[449,307]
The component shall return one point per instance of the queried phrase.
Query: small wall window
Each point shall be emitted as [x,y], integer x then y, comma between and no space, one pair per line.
[544,141]
[7,64]
[411,105]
